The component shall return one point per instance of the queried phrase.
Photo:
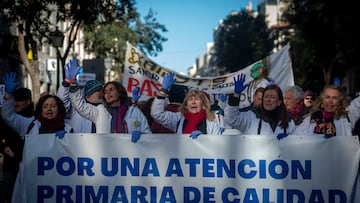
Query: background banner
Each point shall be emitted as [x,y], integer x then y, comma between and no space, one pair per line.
[143,72]
[176,168]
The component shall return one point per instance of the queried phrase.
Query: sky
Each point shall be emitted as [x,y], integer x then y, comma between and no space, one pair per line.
[190,25]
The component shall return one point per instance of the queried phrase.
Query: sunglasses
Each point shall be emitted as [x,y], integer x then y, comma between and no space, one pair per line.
[308,98]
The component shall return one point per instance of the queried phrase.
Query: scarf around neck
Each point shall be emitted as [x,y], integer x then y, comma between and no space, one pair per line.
[193,120]
[324,123]
[118,123]
[51,125]
[295,112]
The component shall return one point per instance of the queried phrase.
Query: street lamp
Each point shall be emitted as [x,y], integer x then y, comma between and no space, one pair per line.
[57,39]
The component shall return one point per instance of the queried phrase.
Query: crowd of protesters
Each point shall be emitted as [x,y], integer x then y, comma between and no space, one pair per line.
[107,108]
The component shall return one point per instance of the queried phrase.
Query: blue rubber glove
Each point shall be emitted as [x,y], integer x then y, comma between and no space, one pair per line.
[239,83]
[136,94]
[195,134]
[222,97]
[72,69]
[9,81]
[222,130]
[281,136]
[168,80]
[135,136]
[60,134]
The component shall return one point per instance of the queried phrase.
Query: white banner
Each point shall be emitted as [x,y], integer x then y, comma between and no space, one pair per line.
[176,168]
[143,72]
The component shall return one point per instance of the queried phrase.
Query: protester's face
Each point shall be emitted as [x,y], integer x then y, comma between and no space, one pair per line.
[289,100]
[308,101]
[21,105]
[95,97]
[194,104]
[330,100]
[49,108]
[258,99]
[111,95]
[271,100]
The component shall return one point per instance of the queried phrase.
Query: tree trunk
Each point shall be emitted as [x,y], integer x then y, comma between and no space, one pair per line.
[31,67]
[327,75]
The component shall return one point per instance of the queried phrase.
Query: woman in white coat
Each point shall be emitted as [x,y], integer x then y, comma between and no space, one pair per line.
[194,118]
[273,119]
[330,116]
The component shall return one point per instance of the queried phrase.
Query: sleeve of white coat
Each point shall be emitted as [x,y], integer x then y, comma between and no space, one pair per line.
[85,109]
[165,118]
[236,119]
[354,111]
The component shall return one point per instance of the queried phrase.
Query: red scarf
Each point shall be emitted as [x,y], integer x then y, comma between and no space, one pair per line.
[297,110]
[51,125]
[194,119]
[327,115]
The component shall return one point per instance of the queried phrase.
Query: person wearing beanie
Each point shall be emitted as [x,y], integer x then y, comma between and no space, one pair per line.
[11,144]
[176,97]
[308,98]
[79,101]
[90,106]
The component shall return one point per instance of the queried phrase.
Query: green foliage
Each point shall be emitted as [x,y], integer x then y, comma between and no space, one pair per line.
[325,41]
[240,40]
[109,38]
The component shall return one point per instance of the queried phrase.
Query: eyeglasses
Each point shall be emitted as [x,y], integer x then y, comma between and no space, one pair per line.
[308,98]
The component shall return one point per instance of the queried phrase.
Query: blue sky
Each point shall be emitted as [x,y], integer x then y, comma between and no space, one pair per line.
[190,25]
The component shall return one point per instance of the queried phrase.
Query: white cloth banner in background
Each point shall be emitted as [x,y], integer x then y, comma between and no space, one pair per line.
[141,71]
[176,168]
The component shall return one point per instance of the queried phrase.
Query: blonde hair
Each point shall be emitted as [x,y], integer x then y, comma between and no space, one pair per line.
[206,103]
[343,102]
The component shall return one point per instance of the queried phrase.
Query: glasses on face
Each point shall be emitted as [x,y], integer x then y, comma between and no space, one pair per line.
[308,98]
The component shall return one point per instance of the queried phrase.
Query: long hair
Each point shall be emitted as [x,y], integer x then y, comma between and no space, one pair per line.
[59,103]
[280,111]
[193,93]
[120,89]
[343,102]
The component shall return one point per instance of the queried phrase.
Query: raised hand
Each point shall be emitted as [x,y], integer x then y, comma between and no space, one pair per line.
[72,69]
[168,80]
[239,83]
[9,81]
[136,94]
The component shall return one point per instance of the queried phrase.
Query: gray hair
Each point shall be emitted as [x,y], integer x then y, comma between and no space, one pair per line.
[298,93]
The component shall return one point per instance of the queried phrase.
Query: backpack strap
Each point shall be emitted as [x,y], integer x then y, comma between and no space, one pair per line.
[30,126]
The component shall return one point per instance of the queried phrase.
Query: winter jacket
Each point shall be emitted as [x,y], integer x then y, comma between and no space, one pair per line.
[248,123]
[97,114]
[342,126]
[102,117]
[23,125]
[78,122]
[175,120]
